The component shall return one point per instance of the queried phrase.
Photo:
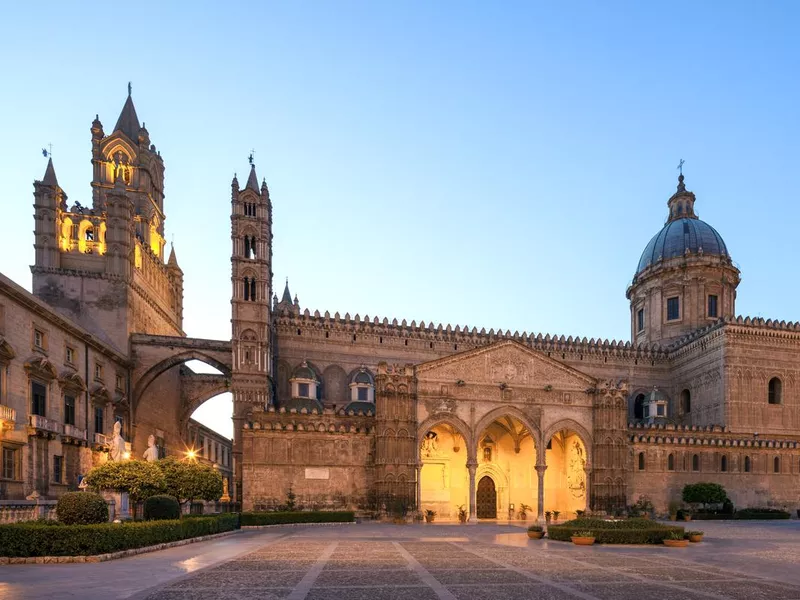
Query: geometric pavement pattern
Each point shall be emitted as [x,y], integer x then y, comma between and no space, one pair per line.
[453,568]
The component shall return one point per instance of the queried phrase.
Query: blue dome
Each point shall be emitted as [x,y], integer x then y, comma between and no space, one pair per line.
[680,235]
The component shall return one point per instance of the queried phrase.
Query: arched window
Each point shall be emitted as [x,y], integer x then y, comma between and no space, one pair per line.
[671,463]
[686,402]
[723,464]
[776,464]
[746,464]
[362,386]
[638,407]
[250,247]
[641,461]
[247,288]
[253,289]
[775,391]
[695,462]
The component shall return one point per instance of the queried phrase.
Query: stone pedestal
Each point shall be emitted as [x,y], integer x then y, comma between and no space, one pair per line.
[118,505]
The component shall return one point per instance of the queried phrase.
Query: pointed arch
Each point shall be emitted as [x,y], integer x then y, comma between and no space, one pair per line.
[446,419]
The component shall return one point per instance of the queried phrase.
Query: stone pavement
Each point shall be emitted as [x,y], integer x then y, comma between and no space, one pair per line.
[739,560]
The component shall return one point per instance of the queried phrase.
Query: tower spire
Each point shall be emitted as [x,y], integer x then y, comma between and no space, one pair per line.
[128,121]
[50,174]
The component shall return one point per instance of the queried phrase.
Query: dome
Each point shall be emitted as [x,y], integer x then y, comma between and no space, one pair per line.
[362,377]
[679,236]
[304,372]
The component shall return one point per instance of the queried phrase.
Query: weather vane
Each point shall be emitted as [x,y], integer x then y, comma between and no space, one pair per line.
[130,89]
[47,153]
[252,156]
[680,166]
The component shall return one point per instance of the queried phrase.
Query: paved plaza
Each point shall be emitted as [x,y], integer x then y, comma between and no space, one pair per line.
[739,560]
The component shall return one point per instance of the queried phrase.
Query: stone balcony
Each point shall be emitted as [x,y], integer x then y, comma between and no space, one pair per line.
[8,417]
[43,426]
[100,439]
[74,434]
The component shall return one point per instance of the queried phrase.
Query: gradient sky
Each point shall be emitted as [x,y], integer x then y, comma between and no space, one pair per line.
[500,165]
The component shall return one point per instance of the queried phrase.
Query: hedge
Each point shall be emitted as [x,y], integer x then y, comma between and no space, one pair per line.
[82,508]
[762,513]
[36,538]
[626,531]
[161,507]
[285,518]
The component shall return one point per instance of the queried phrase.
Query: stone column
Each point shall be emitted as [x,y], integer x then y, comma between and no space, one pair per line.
[418,491]
[472,465]
[540,469]
[588,470]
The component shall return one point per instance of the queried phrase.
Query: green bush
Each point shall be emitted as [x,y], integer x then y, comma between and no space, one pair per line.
[285,518]
[40,539]
[189,480]
[762,513]
[160,507]
[82,508]
[140,479]
[627,531]
[704,493]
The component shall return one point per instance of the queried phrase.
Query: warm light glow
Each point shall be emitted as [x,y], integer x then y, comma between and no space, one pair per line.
[101,238]
[191,454]
[65,239]
[127,455]
[156,240]
[85,230]
[137,256]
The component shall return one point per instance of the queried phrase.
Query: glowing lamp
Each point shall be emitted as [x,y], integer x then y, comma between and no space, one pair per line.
[127,455]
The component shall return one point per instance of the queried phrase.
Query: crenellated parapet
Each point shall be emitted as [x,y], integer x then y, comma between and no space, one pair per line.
[718,436]
[462,338]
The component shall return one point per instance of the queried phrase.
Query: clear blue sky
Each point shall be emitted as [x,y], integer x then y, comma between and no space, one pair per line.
[491,164]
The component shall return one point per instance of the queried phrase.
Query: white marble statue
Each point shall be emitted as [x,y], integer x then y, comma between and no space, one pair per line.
[151,454]
[117,450]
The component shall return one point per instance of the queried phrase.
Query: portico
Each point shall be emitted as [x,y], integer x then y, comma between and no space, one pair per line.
[504,430]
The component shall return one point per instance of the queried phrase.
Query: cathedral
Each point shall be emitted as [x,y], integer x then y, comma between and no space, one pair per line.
[356,411]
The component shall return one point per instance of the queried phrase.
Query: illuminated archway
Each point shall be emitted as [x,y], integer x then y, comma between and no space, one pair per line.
[444,479]
[505,449]
[566,480]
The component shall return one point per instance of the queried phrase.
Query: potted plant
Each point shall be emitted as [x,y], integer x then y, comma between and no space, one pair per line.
[548,515]
[430,515]
[675,539]
[523,511]
[684,514]
[583,538]
[555,515]
[674,506]
[535,532]
[462,514]
[694,536]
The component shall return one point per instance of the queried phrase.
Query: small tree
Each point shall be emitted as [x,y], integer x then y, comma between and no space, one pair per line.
[189,480]
[139,479]
[291,498]
[704,493]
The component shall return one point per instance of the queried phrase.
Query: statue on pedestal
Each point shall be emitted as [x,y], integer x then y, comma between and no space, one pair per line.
[117,451]
[151,454]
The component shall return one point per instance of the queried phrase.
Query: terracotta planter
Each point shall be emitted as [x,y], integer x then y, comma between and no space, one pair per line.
[673,517]
[687,517]
[582,541]
[676,543]
[429,519]
[536,535]
[696,538]
[399,521]
[462,520]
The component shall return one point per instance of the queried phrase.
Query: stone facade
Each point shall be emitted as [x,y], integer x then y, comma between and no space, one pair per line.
[348,410]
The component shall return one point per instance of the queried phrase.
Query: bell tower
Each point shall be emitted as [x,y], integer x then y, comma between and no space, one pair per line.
[251,282]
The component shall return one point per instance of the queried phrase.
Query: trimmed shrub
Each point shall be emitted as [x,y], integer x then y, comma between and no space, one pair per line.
[627,531]
[157,508]
[704,493]
[40,539]
[140,479]
[82,508]
[285,518]
[762,513]
[188,480]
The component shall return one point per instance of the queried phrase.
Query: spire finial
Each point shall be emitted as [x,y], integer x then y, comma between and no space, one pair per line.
[251,159]
[130,88]
[680,167]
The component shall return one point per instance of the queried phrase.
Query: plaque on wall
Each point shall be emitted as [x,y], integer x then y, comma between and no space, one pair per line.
[317,473]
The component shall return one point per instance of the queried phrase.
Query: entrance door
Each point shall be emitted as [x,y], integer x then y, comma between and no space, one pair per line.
[486,498]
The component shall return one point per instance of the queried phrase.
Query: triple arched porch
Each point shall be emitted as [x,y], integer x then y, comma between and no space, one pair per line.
[504,460]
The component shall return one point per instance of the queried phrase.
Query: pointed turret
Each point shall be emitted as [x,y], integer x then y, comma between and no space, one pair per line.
[172,262]
[287,296]
[128,122]
[50,175]
[252,180]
